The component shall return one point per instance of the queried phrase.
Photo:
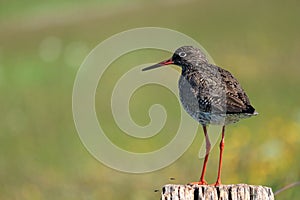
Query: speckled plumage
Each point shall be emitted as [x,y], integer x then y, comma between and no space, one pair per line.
[210,94]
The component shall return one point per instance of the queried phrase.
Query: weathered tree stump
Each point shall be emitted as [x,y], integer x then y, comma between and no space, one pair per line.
[222,192]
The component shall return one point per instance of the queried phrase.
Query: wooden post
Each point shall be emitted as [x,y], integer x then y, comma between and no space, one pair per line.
[222,192]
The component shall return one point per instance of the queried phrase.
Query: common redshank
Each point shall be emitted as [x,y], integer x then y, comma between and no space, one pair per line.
[209,94]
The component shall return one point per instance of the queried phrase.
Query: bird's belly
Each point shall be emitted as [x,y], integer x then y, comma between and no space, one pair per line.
[205,118]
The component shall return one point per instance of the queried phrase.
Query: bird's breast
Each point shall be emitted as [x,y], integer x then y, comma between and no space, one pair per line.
[188,93]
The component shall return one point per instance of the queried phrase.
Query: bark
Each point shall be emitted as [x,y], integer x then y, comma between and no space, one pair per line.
[222,192]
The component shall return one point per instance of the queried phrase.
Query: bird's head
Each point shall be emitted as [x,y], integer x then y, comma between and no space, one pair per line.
[185,57]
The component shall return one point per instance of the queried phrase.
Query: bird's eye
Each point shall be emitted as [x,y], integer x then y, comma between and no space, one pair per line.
[182,54]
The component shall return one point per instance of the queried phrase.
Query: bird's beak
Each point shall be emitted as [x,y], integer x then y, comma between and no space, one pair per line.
[163,63]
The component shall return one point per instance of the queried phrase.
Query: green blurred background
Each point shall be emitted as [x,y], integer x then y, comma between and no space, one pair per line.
[42,45]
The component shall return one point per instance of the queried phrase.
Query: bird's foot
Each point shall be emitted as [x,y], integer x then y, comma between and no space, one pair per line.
[218,183]
[203,182]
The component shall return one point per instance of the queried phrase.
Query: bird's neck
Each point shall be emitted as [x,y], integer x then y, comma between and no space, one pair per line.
[190,69]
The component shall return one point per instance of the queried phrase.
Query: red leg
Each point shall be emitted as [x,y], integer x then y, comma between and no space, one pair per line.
[222,144]
[202,180]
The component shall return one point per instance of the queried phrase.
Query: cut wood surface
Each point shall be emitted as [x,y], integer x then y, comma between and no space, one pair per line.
[222,192]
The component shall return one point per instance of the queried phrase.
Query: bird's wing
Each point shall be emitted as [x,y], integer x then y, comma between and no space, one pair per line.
[218,91]
[237,100]
[215,91]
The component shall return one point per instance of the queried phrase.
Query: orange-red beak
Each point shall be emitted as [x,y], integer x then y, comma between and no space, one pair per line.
[163,63]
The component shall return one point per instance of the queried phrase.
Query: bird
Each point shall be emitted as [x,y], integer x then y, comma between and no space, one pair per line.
[209,94]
